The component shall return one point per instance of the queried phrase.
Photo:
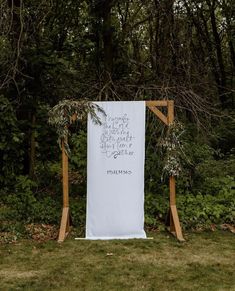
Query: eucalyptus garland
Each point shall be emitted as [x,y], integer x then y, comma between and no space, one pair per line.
[172,149]
[68,111]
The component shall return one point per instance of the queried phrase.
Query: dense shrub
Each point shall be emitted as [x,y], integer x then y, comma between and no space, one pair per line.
[205,190]
[204,210]
[24,205]
[195,210]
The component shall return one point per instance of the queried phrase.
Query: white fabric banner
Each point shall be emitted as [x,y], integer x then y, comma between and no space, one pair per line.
[115,172]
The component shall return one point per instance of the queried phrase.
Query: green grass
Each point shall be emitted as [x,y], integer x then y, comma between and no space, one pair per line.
[206,261]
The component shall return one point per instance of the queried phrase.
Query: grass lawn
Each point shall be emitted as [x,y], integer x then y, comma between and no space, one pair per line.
[205,262]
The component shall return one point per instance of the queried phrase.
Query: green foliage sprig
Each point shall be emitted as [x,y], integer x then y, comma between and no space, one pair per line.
[172,149]
[66,112]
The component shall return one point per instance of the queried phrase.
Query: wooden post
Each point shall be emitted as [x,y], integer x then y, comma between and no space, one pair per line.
[175,227]
[65,222]
[173,218]
[65,170]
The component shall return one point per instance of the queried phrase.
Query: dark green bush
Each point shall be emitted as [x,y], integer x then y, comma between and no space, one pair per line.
[22,201]
[203,210]
[78,211]
[24,205]
[205,189]
[195,210]
[11,140]
[156,207]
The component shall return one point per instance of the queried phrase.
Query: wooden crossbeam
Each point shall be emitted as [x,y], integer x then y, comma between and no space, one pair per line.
[158,103]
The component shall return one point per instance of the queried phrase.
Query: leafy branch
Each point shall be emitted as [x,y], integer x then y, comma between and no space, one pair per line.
[66,112]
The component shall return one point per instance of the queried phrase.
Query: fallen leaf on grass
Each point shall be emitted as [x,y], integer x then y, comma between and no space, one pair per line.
[229,227]
[42,232]
[109,254]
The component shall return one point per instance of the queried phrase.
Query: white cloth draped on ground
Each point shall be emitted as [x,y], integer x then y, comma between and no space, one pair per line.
[115,172]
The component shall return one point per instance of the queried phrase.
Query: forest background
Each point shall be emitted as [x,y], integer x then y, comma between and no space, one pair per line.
[117,50]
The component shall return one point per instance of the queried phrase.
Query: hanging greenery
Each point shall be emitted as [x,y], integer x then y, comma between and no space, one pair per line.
[172,148]
[68,111]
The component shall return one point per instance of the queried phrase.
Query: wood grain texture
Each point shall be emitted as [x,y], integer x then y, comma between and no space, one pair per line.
[172,190]
[159,114]
[170,115]
[177,227]
[156,103]
[64,225]
[65,171]
[65,221]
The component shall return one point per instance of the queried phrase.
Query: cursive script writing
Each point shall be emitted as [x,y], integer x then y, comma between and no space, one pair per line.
[116,138]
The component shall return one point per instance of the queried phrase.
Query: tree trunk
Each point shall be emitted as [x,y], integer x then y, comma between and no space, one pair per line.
[222,85]
[107,40]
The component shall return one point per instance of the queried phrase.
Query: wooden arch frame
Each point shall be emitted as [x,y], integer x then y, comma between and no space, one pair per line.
[173,218]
